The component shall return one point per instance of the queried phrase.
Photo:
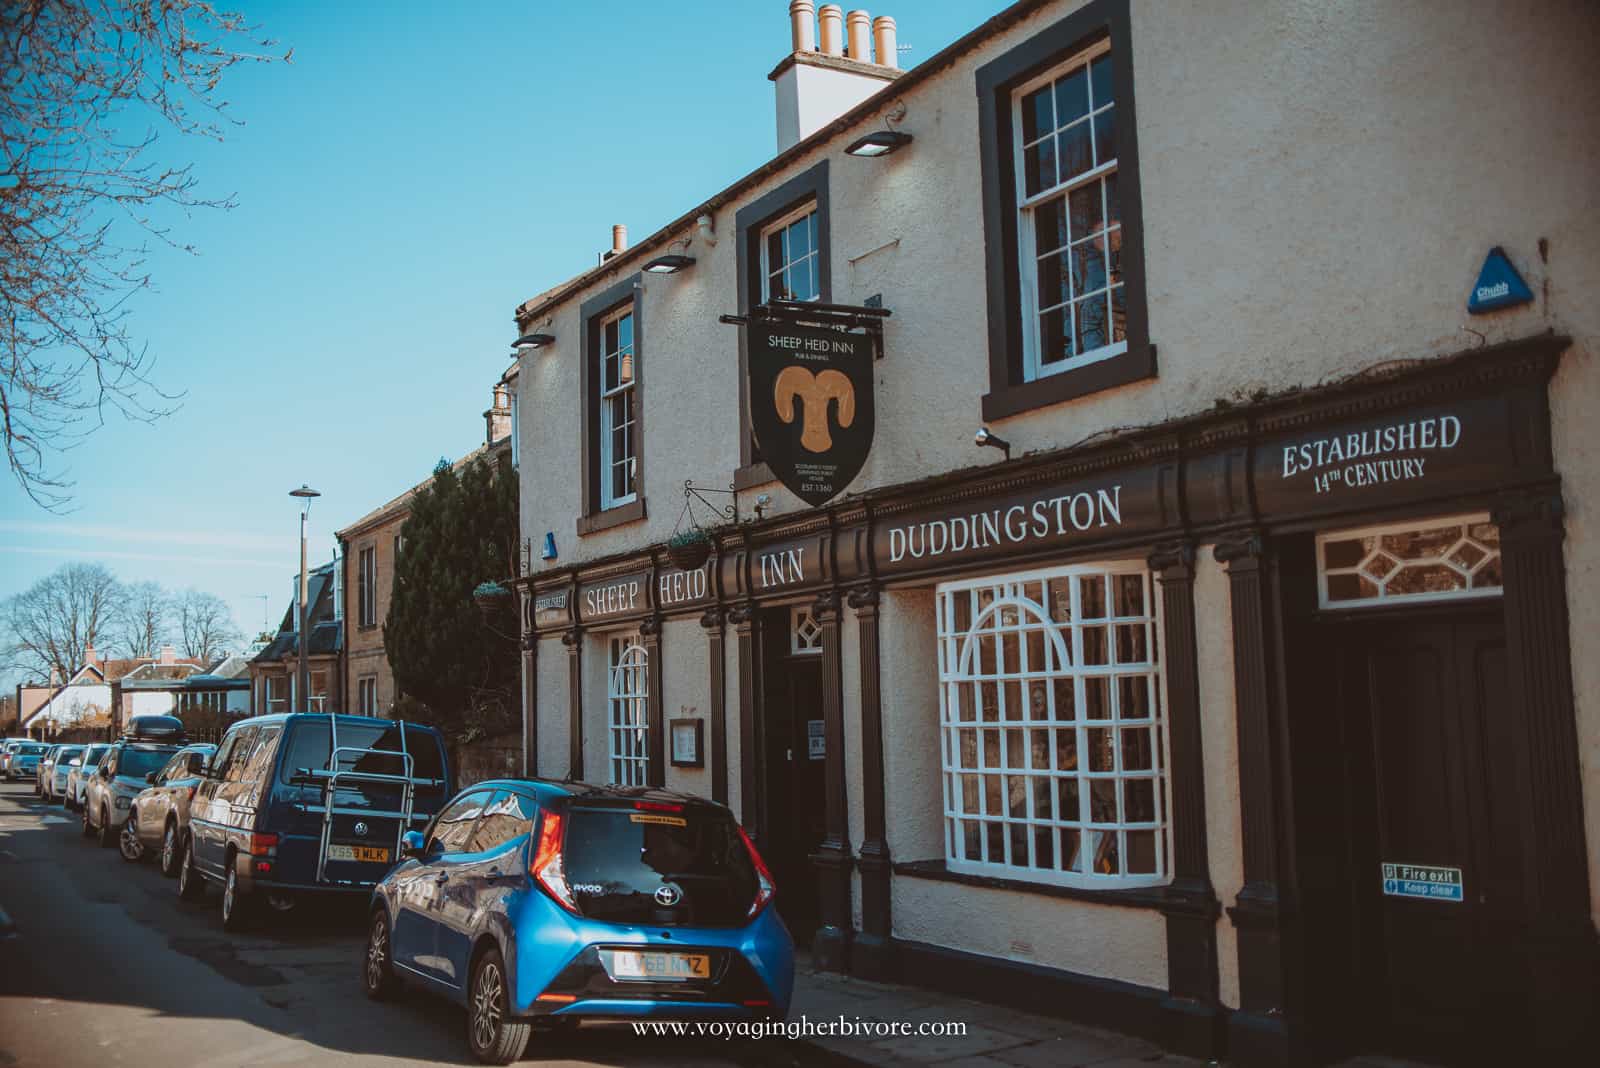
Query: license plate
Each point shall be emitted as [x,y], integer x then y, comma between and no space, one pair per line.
[365,853]
[631,964]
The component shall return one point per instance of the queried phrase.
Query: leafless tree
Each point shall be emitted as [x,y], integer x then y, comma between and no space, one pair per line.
[51,624]
[205,626]
[80,199]
[146,619]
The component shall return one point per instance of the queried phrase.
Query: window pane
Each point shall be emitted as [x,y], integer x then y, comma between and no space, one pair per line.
[1119,315]
[1055,343]
[1037,117]
[1113,205]
[1088,269]
[1053,288]
[1074,150]
[1072,96]
[1100,80]
[1085,211]
[1049,226]
[799,238]
[1039,166]
[624,332]
[1105,136]
[1089,319]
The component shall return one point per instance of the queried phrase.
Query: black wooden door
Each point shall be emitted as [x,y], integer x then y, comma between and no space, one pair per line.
[1432,792]
[792,779]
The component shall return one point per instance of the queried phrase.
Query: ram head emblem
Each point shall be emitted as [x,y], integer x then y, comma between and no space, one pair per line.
[814,392]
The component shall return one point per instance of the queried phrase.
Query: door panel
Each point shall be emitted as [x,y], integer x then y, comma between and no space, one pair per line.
[792,781]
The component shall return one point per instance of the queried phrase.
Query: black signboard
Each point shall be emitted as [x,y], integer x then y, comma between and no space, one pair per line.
[811,404]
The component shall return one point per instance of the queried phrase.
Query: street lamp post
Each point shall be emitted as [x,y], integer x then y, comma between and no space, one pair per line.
[303,638]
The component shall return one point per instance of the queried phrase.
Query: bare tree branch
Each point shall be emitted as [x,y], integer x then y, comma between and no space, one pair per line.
[205,626]
[51,625]
[75,76]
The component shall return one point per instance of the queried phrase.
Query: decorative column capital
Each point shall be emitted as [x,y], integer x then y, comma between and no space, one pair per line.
[713,619]
[1173,560]
[826,606]
[1240,550]
[742,616]
[572,638]
[863,598]
[530,641]
[650,627]
[1530,513]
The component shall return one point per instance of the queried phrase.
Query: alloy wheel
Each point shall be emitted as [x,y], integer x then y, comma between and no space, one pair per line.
[128,842]
[377,952]
[169,849]
[488,1002]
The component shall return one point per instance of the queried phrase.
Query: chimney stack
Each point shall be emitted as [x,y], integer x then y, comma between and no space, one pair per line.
[858,26]
[169,655]
[497,419]
[817,84]
[887,50]
[619,238]
[88,655]
[831,19]
[802,13]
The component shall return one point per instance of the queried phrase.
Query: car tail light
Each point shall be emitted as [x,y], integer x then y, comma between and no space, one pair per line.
[263,845]
[765,889]
[547,867]
[656,806]
[192,789]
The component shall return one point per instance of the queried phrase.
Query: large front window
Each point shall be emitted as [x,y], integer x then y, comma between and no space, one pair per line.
[1069,230]
[627,700]
[1052,737]
[619,462]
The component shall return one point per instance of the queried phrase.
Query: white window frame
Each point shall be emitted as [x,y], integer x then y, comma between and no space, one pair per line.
[628,388]
[367,586]
[627,709]
[367,695]
[1386,598]
[783,222]
[961,676]
[805,631]
[287,702]
[1028,274]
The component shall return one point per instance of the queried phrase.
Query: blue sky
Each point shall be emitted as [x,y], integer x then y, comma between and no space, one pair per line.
[416,172]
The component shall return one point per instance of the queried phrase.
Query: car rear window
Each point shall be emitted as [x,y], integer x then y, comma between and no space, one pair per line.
[617,858]
[310,742]
[137,763]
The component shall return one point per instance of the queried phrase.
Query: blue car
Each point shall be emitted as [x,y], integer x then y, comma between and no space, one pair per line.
[307,804]
[530,901]
[24,762]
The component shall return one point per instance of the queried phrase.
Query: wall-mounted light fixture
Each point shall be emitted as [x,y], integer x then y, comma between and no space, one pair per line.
[879,143]
[989,440]
[528,342]
[669,264]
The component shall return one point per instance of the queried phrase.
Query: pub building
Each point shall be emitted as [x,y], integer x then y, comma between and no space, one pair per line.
[1232,699]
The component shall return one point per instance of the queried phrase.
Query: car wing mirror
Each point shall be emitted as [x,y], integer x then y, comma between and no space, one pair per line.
[413,844]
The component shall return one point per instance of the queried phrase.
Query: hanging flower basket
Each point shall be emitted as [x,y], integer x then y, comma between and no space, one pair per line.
[491,599]
[689,549]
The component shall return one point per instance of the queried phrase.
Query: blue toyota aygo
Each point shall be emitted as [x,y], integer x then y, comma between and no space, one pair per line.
[533,902]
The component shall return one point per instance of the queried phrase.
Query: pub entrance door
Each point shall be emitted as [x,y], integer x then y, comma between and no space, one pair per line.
[794,819]
[1430,876]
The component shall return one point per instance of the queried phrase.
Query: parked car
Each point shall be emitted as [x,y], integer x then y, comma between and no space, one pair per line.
[7,748]
[56,769]
[24,762]
[528,900]
[308,803]
[41,771]
[159,816]
[81,771]
[147,745]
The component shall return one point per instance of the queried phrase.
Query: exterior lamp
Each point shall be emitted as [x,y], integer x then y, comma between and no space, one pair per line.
[533,341]
[879,143]
[669,264]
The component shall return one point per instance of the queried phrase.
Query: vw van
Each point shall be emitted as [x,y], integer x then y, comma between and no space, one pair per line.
[308,803]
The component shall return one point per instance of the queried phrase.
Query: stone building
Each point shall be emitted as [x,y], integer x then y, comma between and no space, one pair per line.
[274,670]
[1236,696]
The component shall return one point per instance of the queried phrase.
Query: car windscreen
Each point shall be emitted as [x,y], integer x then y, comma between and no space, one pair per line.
[311,742]
[94,754]
[67,754]
[32,750]
[137,763]
[617,859]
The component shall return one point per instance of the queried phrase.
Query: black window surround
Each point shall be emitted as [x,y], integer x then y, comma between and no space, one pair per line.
[1009,394]
[627,291]
[810,185]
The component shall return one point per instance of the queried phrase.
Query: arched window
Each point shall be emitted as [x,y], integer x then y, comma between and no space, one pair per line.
[626,696]
[1051,729]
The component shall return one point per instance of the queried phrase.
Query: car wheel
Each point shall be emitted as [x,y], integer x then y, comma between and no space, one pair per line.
[191,886]
[377,969]
[495,1038]
[237,906]
[83,813]
[104,837]
[128,842]
[169,850]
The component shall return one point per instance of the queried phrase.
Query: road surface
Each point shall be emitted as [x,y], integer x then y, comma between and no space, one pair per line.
[108,967]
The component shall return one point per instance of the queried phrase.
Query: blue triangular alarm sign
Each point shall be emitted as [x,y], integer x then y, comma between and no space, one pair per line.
[1499,285]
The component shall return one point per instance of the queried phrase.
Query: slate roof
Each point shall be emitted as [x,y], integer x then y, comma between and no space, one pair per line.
[327,634]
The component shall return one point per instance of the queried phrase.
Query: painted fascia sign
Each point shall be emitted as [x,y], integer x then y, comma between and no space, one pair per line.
[1431,882]
[1498,286]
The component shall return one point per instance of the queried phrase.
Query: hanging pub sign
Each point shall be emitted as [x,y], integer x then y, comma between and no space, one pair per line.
[811,403]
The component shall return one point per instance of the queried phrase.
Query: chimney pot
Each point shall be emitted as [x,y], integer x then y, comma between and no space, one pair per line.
[858,24]
[802,13]
[619,238]
[888,54]
[830,22]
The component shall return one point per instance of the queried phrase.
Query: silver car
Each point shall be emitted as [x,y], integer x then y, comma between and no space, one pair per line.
[55,769]
[119,779]
[82,769]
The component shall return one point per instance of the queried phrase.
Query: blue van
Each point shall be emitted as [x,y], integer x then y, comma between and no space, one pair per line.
[308,803]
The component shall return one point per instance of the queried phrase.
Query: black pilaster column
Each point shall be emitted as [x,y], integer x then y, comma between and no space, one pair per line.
[1560,949]
[654,714]
[746,620]
[869,956]
[573,640]
[530,704]
[1194,1013]
[1259,1032]
[717,658]
[831,947]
